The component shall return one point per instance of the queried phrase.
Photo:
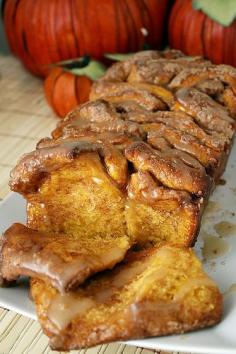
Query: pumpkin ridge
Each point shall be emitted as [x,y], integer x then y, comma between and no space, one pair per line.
[117,25]
[199,18]
[175,25]
[145,21]
[187,19]
[181,27]
[146,16]
[33,32]
[142,6]
[51,34]
[217,48]
[122,24]
[234,50]
[98,24]
[42,29]
[55,81]
[54,28]
[66,47]
[65,89]
[86,20]
[227,48]
[20,24]
[208,31]
[79,28]
[202,36]
[135,32]
[17,9]
[27,28]
[131,37]
[67,28]
[49,83]
[57,15]
[9,23]
[76,42]
[76,88]
[24,42]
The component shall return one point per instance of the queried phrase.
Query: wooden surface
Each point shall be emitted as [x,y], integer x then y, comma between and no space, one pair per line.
[25,118]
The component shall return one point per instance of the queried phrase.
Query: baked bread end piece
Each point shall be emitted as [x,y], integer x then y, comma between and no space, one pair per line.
[156,292]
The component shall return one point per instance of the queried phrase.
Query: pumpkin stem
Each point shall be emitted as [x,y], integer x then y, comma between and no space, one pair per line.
[76,63]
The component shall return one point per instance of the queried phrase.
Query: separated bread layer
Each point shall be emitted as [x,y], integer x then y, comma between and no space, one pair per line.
[153,293]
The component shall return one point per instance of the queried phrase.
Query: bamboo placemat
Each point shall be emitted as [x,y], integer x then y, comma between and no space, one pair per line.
[25,118]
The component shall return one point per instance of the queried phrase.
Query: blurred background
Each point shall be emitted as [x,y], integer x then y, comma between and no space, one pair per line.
[3,42]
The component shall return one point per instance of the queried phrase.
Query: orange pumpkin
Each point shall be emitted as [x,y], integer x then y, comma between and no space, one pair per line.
[41,32]
[68,85]
[195,33]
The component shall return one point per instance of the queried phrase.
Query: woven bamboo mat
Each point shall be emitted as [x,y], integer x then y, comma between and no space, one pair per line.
[25,118]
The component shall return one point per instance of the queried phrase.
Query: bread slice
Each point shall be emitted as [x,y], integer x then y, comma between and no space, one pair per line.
[69,191]
[63,260]
[87,186]
[155,292]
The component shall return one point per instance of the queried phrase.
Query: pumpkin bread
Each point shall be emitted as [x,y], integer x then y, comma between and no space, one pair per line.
[135,165]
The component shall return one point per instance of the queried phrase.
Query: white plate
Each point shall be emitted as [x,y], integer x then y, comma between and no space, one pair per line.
[220,339]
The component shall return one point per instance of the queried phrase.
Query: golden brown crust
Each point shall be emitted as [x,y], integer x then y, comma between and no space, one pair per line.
[170,171]
[27,176]
[179,120]
[229,99]
[190,77]
[211,87]
[120,70]
[172,168]
[156,292]
[144,187]
[116,92]
[183,142]
[210,114]
[34,167]
[62,260]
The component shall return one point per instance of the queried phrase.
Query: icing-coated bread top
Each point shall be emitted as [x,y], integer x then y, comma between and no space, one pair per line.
[159,113]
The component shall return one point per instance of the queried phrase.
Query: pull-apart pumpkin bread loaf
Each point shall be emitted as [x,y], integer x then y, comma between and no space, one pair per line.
[141,158]
[131,169]
[155,292]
